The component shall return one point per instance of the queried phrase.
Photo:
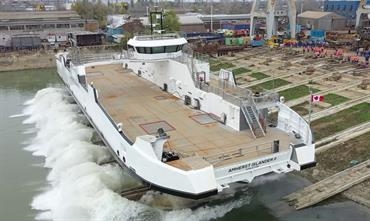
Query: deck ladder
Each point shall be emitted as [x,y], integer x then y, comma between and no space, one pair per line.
[250,113]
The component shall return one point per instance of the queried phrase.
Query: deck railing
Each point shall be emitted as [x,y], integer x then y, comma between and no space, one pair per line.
[82,56]
[259,150]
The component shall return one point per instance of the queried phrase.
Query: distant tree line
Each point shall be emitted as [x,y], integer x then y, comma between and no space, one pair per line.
[98,10]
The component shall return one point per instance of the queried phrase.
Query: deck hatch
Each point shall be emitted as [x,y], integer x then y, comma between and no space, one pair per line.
[152,127]
[96,73]
[163,97]
[203,118]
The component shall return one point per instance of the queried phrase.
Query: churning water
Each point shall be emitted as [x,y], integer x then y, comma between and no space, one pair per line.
[80,187]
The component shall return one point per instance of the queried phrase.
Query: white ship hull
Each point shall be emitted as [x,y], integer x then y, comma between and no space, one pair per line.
[140,156]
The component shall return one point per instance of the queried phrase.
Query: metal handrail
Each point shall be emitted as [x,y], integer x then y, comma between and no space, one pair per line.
[157,37]
[78,56]
[255,112]
[216,158]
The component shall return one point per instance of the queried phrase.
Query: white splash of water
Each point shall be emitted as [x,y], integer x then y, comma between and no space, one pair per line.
[206,212]
[16,115]
[267,178]
[80,188]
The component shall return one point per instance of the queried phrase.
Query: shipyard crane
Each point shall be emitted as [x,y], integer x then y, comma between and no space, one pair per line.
[270,14]
[361,10]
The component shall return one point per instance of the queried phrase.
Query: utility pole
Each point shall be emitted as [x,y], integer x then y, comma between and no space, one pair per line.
[211,16]
[310,107]
[154,16]
[302,3]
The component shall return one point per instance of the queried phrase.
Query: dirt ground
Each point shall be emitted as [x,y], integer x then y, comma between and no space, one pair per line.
[26,60]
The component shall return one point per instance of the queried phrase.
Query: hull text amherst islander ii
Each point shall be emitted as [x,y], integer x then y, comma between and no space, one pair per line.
[176,126]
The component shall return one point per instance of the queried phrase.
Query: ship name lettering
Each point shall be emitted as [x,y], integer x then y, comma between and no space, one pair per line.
[252,165]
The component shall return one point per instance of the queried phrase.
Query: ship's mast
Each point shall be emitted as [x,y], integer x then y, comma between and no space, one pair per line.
[154,16]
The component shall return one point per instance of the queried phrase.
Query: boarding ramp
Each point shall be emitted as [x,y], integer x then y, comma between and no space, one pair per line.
[330,186]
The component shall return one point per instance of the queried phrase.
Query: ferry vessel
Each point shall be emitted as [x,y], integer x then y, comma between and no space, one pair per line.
[176,126]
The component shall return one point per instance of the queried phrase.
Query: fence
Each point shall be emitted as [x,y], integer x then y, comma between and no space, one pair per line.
[91,54]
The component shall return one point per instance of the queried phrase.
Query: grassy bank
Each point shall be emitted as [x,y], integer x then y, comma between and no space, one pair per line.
[216,66]
[259,75]
[340,157]
[296,92]
[241,70]
[335,99]
[269,85]
[342,120]
[301,108]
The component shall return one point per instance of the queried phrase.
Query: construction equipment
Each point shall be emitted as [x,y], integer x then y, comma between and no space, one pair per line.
[268,11]
[40,7]
[361,10]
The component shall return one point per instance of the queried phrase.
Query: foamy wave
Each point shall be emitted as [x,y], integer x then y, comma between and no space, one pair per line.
[267,178]
[16,115]
[79,187]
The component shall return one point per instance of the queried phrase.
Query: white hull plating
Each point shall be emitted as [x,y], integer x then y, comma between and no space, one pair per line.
[141,156]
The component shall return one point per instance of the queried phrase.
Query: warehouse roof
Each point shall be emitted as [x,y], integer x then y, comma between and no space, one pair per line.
[216,17]
[318,14]
[183,19]
[38,15]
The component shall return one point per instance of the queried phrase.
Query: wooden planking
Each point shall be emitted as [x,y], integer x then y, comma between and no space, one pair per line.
[330,186]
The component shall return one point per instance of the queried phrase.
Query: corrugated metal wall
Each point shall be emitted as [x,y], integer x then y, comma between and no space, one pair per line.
[25,42]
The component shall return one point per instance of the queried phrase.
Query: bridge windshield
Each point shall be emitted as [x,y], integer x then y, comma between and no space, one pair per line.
[160,49]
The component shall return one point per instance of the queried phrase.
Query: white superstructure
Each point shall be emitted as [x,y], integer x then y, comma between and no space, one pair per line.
[178,128]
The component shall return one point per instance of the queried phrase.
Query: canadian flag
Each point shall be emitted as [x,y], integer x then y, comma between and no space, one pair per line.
[316,98]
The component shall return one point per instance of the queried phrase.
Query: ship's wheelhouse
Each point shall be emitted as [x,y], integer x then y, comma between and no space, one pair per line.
[157,49]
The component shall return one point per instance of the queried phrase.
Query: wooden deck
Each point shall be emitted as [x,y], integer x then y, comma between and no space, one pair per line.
[330,186]
[143,107]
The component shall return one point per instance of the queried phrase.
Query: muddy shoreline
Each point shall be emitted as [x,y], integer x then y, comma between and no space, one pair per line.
[23,60]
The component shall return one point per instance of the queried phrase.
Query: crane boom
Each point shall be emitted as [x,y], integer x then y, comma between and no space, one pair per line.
[361,10]
[270,16]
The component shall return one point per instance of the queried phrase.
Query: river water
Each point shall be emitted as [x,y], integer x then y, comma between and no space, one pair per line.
[50,170]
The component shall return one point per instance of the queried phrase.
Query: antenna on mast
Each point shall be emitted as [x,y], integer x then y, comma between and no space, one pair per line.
[154,17]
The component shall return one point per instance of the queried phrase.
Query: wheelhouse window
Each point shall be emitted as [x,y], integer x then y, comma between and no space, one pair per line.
[140,50]
[130,48]
[170,49]
[148,50]
[158,50]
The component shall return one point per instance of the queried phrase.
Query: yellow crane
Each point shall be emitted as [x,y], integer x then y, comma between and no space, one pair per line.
[40,7]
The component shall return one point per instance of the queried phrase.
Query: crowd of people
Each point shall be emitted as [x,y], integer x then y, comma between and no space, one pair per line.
[322,50]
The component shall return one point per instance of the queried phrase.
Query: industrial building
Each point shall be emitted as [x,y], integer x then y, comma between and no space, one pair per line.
[327,21]
[220,21]
[32,5]
[42,21]
[50,26]
[27,41]
[86,38]
[345,8]
[188,23]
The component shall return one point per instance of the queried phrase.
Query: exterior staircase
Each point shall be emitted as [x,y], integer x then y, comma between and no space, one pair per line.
[250,113]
